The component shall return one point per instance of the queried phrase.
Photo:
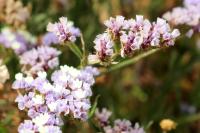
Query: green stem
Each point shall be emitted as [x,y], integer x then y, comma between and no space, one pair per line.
[84,57]
[130,61]
[74,48]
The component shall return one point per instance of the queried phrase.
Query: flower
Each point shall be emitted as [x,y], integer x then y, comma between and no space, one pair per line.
[64,30]
[103,116]
[4,74]
[20,41]
[67,93]
[115,25]
[120,126]
[38,59]
[103,47]
[191,2]
[189,15]
[27,127]
[167,124]
[131,35]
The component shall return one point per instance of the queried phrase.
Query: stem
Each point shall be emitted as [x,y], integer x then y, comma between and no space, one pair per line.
[84,56]
[74,48]
[130,61]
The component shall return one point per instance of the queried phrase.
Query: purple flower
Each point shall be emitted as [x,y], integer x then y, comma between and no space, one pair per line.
[64,30]
[191,2]
[189,15]
[103,47]
[19,41]
[39,59]
[103,116]
[68,92]
[119,126]
[27,127]
[132,35]
[115,25]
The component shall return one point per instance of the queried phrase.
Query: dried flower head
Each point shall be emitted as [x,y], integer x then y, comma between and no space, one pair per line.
[4,74]
[13,12]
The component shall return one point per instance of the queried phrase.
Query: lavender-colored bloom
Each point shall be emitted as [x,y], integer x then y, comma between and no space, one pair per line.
[123,126]
[137,129]
[143,34]
[103,47]
[119,126]
[133,35]
[51,129]
[189,15]
[64,30]
[22,82]
[68,92]
[191,2]
[103,116]
[19,41]
[74,86]
[115,25]
[27,127]
[49,39]
[130,43]
[39,59]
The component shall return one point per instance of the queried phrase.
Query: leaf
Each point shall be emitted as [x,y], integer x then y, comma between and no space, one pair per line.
[94,107]
[74,48]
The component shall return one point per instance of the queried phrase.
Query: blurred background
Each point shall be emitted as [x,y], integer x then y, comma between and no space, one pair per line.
[163,85]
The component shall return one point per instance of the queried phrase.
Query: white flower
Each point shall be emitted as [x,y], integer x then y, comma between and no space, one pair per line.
[42,75]
[79,94]
[52,106]
[41,120]
[19,76]
[38,99]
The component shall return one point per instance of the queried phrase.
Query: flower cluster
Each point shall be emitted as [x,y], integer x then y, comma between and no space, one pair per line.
[4,74]
[187,15]
[127,36]
[64,30]
[45,101]
[120,126]
[20,41]
[13,12]
[103,47]
[39,59]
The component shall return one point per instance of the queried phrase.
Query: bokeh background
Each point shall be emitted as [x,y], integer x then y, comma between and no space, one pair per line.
[163,85]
